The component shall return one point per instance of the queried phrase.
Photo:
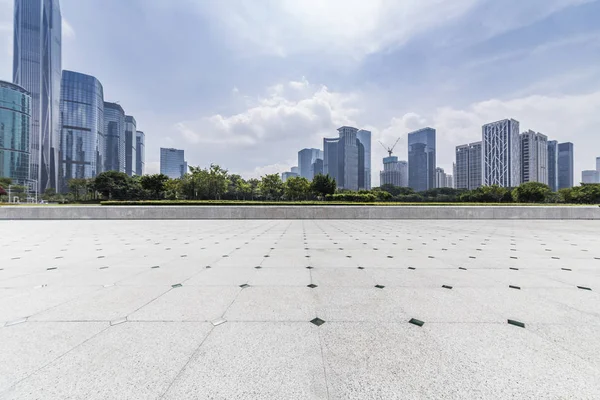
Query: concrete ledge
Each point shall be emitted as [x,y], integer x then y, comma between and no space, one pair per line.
[296,212]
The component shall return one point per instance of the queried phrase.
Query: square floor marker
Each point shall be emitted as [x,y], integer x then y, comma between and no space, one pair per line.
[379,286]
[411,268]
[312,286]
[51,268]
[516,323]
[218,322]
[583,288]
[309,267]
[258,267]
[177,285]
[566,269]
[463,268]
[317,321]
[447,287]
[155,267]
[416,322]
[244,286]
[514,269]
[514,287]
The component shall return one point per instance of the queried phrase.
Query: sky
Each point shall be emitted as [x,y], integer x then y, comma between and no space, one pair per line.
[247,84]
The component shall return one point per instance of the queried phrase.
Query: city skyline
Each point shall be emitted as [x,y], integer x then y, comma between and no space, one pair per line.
[557,101]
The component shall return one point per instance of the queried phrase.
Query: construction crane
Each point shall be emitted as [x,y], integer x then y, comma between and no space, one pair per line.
[390,150]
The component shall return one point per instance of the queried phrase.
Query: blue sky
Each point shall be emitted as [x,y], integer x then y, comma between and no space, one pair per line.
[246,83]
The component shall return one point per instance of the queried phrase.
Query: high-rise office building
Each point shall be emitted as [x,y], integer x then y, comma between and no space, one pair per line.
[590,176]
[467,170]
[140,153]
[344,158]
[364,137]
[553,165]
[501,153]
[317,167]
[440,177]
[598,164]
[394,172]
[295,170]
[37,68]
[306,159]
[130,145]
[15,131]
[172,163]
[422,159]
[534,157]
[565,165]
[449,181]
[81,128]
[114,137]
[287,175]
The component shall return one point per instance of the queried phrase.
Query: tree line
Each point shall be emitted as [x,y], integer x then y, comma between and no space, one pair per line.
[216,183]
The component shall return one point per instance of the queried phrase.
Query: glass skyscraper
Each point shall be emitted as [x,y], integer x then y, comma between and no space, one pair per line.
[130,145]
[140,152]
[553,165]
[344,158]
[421,159]
[114,137]
[15,125]
[37,68]
[364,137]
[172,163]
[565,165]
[82,128]
[306,159]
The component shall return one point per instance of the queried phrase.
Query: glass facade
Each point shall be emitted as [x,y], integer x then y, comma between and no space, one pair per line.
[421,159]
[344,158]
[306,158]
[15,130]
[130,145]
[114,137]
[172,163]
[501,159]
[82,128]
[364,138]
[37,68]
[553,165]
[140,152]
[565,165]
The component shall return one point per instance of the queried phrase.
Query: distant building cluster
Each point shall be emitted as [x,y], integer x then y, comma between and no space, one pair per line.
[592,175]
[56,124]
[507,157]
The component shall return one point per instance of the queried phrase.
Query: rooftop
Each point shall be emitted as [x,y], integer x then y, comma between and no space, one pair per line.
[287,309]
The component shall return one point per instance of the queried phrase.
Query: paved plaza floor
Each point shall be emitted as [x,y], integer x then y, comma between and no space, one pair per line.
[280,309]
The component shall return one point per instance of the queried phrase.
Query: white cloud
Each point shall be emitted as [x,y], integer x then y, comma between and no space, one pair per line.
[348,27]
[67,30]
[291,111]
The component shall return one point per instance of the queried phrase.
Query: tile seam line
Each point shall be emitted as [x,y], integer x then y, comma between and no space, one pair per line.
[56,359]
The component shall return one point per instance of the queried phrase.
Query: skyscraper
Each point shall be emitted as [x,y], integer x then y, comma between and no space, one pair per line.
[140,152]
[440,178]
[590,176]
[364,137]
[475,165]
[342,158]
[114,137]
[82,128]
[172,163]
[565,165]
[394,172]
[598,164]
[37,68]
[15,125]
[534,157]
[306,158]
[553,165]
[317,167]
[130,145]
[421,159]
[501,153]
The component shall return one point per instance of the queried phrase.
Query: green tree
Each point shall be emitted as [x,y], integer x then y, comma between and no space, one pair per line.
[173,189]
[271,187]
[531,192]
[5,182]
[49,194]
[112,185]
[77,188]
[217,181]
[297,188]
[254,188]
[322,185]
[154,184]
[397,190]
[587,193]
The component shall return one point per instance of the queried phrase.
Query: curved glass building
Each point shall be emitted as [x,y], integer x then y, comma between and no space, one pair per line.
[82,127]
[37,68]
[15,129]
[114,137]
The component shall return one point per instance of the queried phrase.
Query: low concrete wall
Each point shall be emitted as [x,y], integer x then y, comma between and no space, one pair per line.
[295,212]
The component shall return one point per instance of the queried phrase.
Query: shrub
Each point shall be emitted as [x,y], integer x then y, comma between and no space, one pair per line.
[531,192]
